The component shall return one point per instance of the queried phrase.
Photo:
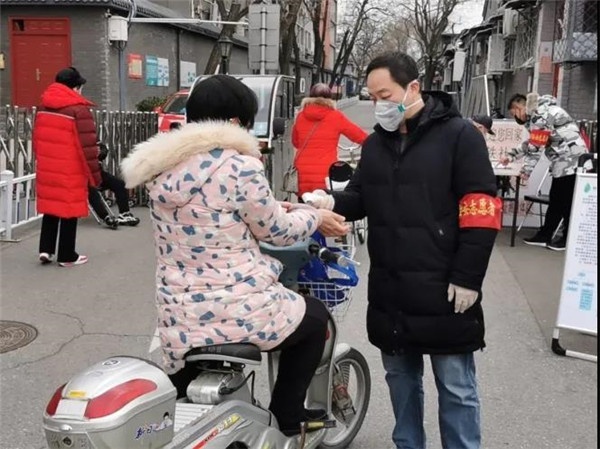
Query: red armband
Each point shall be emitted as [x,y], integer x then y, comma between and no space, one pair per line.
[478,210]
[539,137]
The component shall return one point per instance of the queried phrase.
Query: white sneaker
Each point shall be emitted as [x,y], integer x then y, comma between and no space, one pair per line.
[127,219]
[80,261]
[46,258]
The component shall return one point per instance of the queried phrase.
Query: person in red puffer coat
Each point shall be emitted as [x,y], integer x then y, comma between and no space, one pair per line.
[315,136]
[66,154]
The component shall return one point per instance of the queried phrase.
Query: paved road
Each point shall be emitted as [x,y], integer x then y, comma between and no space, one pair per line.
[532,399]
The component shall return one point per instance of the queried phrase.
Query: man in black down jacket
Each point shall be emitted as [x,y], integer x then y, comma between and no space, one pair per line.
[427,187]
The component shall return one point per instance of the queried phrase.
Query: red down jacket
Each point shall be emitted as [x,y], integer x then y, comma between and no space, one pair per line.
[321,150]
[66,153]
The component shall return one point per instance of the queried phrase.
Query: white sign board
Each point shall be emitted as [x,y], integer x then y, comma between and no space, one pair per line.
[578,308]
[163,72]
[187,74]
[509,135]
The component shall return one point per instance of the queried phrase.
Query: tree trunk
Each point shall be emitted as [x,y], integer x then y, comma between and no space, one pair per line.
[346,50]
[235,14]
[429,74]
[288,36]
[338,60]
[297,66]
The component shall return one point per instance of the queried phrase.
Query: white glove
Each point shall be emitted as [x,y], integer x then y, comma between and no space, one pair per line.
[319,199]
[463,297]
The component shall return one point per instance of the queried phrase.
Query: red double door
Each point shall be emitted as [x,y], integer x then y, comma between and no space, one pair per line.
[39,47]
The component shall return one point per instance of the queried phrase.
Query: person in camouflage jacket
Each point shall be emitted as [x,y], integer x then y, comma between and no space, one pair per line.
[563,147]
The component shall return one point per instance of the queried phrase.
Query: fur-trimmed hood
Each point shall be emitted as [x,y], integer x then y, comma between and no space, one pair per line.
[167,150]
[327,102]
[316,109]
[535,101]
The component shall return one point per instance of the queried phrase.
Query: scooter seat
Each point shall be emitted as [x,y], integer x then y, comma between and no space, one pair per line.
[246,353]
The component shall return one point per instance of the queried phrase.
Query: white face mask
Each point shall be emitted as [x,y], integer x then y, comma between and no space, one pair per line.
[390,115]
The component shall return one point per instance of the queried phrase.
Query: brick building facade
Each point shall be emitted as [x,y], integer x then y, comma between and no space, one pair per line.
[547,46]
[39,37]
[88,49]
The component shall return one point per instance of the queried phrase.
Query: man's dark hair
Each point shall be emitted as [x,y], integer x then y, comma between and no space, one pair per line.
[516,98]
[402,67]
[222,97]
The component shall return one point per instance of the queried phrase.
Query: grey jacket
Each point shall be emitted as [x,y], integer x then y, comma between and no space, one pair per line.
[566,144]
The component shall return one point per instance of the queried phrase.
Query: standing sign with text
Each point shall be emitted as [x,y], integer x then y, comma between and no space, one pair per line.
[578,308]
[509,135]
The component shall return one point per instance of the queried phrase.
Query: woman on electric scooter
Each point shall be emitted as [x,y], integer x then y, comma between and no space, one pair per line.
[211,205]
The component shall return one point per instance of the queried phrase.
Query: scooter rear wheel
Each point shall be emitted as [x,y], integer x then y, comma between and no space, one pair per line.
[359,390]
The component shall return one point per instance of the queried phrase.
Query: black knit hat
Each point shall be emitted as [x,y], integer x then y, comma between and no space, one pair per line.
[70,77]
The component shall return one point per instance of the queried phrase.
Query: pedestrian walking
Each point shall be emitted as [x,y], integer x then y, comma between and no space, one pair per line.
[66,154]
[315,136]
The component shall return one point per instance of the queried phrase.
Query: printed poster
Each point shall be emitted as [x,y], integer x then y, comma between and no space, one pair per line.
[134,66]
[163,72]
[187,72]
[151,71]
[579,294]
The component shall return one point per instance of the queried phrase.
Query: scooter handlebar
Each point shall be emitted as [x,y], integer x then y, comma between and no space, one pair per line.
[328,256]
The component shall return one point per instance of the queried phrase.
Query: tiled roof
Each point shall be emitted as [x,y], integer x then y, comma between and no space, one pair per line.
[145,8]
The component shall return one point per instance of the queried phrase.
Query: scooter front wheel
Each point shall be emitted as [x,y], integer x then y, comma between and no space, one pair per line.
[351,395]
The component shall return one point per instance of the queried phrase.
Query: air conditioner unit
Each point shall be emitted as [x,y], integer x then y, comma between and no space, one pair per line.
[509,22]
[458,66]
[447,81]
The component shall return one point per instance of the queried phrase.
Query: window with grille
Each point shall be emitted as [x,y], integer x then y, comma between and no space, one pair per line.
[576,31]
[526,38]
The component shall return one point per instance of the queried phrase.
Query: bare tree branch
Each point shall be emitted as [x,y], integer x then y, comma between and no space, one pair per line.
[429,20]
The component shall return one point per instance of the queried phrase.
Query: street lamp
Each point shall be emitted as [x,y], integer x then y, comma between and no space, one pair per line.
[225,45]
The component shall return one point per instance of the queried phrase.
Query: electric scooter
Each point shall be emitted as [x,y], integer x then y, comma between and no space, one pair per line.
[127,402]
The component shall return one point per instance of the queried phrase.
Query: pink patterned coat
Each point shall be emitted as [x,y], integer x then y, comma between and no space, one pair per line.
[211,204]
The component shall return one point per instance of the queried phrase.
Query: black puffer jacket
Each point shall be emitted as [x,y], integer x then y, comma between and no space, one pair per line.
[409,188]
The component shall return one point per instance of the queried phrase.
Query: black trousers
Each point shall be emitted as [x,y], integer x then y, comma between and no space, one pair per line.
[300,355]
[115,185]
[561,199]
[65,231]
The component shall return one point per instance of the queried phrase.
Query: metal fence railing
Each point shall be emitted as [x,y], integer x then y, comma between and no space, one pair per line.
[120,130]
[16,152]
[590,127]
[17,202]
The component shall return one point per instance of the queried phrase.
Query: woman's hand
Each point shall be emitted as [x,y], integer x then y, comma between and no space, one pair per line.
[332,224]
[286,205]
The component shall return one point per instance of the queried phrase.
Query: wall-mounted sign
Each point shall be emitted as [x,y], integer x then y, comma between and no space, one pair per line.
[187,72]
[151,71]
[134,66]
[163,72]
